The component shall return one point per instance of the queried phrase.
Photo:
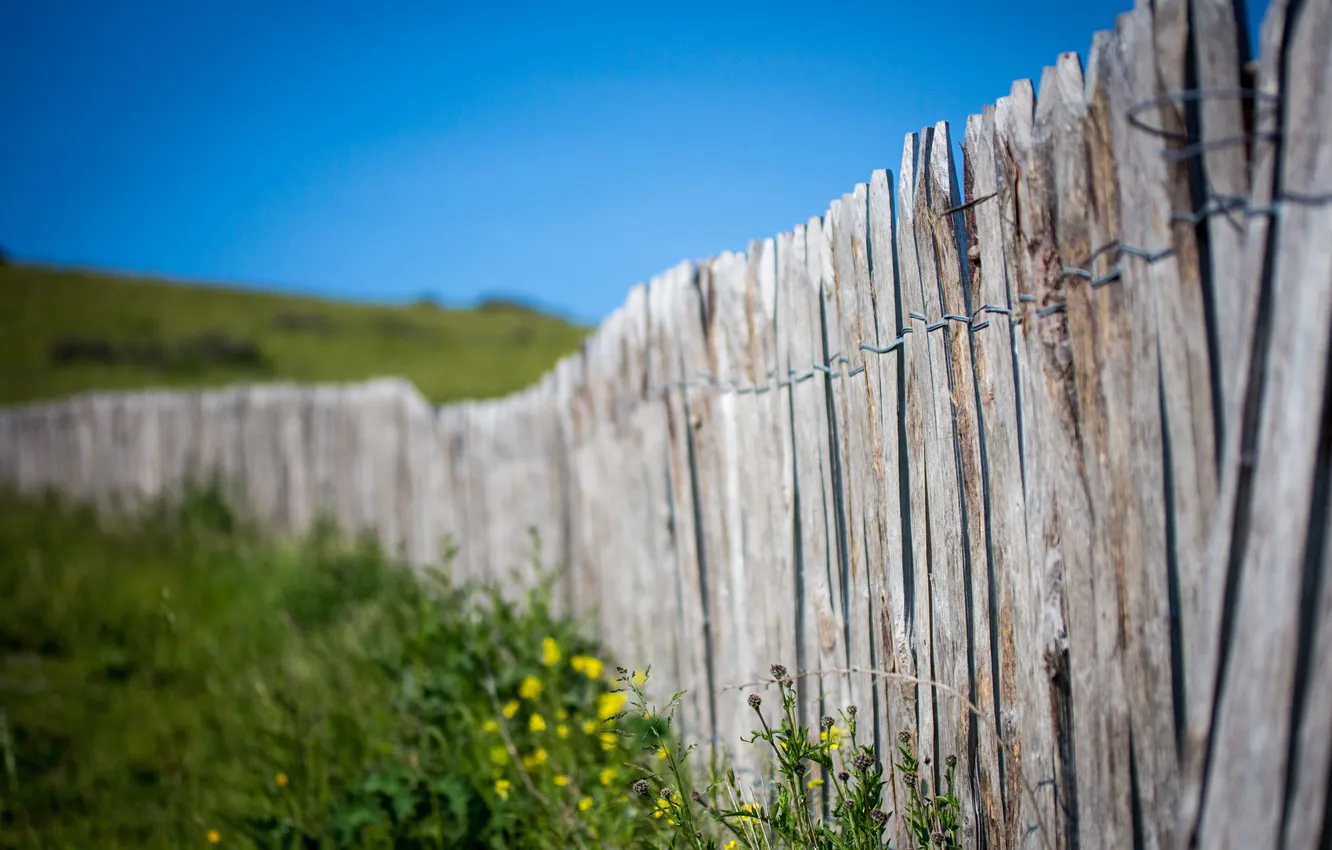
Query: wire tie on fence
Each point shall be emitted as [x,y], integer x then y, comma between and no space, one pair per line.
[920,316]
[954,317]
[968,204]
[934,327]
[883,349]
[1189,96]
[761,390]
[1069,271]
[824,369]
[980,327]
[1025,297]
[1056,307]
[855,371]
[1149,256]
[1109,277]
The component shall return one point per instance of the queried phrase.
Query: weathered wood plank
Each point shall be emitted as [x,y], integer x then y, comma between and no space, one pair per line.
[1252,327]
[673,302]
[1156,49]
[948,234]
[1220,52]
[893,614]
[1070,420]
[1121,429]
[1035,585]
[992,363]
[948,555]
[844,232]
[918,413]
[1268,714]
[823,580]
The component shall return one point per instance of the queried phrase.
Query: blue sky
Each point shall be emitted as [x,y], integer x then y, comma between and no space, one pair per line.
[554,153]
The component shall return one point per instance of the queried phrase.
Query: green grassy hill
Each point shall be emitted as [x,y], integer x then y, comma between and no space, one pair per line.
[65,331]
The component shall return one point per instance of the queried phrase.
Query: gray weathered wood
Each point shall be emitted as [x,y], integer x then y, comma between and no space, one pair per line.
[948,555]
[844,233]
[918,415]
[1036,591]
[992,361]
[964,431]
[1259,694]
[893,613]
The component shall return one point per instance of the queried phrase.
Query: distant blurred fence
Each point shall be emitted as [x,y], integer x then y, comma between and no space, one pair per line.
[1060,445]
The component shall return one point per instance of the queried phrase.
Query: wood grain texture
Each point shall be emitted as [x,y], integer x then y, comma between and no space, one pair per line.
[845,237]
[1252,328]
[1123,452]
[673,302]
[824,576]
[1266,717]
[893,612]
[992,362]
[1037,612]
[918,415]
[1062,191]
[766,476]
[949,236]
[948,555]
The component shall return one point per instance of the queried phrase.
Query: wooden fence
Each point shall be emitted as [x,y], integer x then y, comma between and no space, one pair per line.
[1061,445]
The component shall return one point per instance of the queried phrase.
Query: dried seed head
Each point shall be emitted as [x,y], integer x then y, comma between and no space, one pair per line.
[904,737]
[800,768]
[755,701]
[878,817]
[641,788]
[851,710]
[697,797]
[940,839]
[862,762]
[951,761]
[665,794]
[778,671]
[622,671]
[843,776]
[826,722]
[788,682]
[909,778]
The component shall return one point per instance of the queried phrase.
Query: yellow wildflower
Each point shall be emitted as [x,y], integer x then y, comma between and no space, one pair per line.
[550,651]
[588,666]
[611,704]
[280,780]
[662,808]
[511,708]
[730,845]
[640,677]
[490,725]
[609,740]
[537,723]
[502,787]
[590,727]
[214,836]
[662,753]
[530,688]
[562,731]
[832,737]
[584,804]
[561,714]
[814,783]
[536,759]
[499,755]
[608,775]
[561,780]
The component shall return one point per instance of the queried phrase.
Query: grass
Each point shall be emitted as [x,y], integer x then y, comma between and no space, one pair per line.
[178,680]
[63,332]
